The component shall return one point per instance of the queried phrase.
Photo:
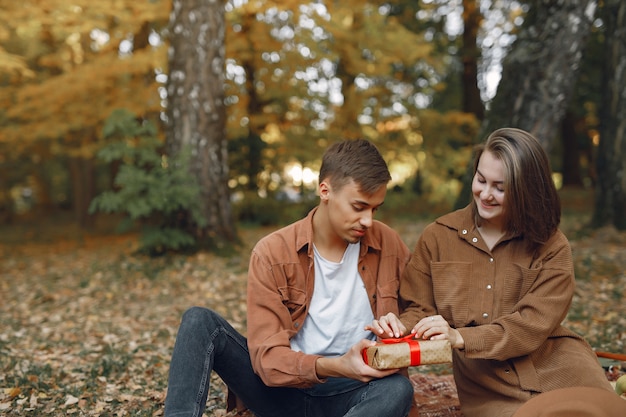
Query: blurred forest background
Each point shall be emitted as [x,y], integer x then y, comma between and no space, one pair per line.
[195,126]
[97,117]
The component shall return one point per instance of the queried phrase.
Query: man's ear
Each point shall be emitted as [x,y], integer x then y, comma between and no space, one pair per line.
[324,190]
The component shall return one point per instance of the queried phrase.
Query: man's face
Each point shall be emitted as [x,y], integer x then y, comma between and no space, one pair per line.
[350,211]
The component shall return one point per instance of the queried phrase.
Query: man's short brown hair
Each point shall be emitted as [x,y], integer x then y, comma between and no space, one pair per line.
[356,159]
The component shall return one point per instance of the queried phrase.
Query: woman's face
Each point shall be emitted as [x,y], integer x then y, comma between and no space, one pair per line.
[488,189]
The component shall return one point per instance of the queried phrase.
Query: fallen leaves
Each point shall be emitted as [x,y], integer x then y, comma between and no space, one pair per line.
[71,400]
[88,329]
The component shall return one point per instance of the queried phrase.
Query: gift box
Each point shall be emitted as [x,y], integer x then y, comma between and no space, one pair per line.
[407,351]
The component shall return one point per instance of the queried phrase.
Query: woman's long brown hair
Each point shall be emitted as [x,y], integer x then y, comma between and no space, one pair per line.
[532,206]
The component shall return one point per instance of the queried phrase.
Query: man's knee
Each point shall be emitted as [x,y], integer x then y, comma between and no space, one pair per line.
[398,386]
[395,392]
[405,389]
[402,390]
[199,317]
[195,313]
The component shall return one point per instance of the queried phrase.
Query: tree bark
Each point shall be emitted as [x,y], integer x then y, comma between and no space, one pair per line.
[82,173]
[255,145]
[196,116]
[472,102]
[571,151]
[538,74]
[610,204]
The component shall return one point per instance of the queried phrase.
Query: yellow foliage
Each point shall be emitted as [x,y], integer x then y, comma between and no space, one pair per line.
[387,41]
[70,49]
[14,65]
[59,85]
[82,99]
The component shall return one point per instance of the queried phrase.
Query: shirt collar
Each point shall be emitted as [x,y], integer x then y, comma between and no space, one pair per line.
[304,235]
[462,221]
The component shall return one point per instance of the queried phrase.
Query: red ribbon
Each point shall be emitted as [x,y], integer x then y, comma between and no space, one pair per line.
[414,345]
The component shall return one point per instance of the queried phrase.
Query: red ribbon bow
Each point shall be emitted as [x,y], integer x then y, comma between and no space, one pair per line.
[414,345]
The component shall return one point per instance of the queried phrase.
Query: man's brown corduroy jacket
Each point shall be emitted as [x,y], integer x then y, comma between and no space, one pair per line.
[280,287]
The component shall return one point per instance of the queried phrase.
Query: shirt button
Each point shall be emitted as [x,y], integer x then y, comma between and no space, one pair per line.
[464,231]
[474,239]
[485,315]
[488,286]
[490,259]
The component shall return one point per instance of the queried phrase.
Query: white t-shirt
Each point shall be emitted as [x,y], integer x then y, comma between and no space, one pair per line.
[339,309]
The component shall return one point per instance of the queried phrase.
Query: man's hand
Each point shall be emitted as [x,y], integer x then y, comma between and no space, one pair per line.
[387,326]
[351,365]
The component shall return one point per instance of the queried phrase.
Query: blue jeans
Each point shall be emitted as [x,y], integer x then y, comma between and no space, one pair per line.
[207,342]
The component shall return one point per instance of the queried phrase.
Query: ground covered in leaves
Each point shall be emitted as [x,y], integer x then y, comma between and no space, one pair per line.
[87,328]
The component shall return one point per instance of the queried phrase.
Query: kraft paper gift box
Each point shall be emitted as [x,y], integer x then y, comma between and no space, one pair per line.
[407,351]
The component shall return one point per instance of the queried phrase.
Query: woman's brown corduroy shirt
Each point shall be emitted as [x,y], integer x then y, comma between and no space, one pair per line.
[508,305]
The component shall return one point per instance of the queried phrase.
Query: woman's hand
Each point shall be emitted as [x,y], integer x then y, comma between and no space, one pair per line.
[387,326]
[437,328]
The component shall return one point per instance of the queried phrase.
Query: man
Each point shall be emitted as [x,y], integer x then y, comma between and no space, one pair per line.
[313,288]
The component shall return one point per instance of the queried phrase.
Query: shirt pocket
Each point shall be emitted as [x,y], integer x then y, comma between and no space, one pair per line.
[294,299]
[291,286]
[452,291]
[518,282]
[387,299]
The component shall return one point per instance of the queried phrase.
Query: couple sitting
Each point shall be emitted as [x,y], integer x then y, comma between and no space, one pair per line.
[495,278]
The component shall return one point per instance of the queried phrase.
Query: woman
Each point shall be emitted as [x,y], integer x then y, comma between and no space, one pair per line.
[496,278]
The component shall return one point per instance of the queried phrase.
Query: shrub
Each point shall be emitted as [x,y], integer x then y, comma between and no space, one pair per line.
[155,191]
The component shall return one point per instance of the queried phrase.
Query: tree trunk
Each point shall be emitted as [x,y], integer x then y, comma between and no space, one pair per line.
[82,173]
[472,103]
[571,151]
[348,121]
[195,111]
[538,74]
[255,145]
[610,204]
